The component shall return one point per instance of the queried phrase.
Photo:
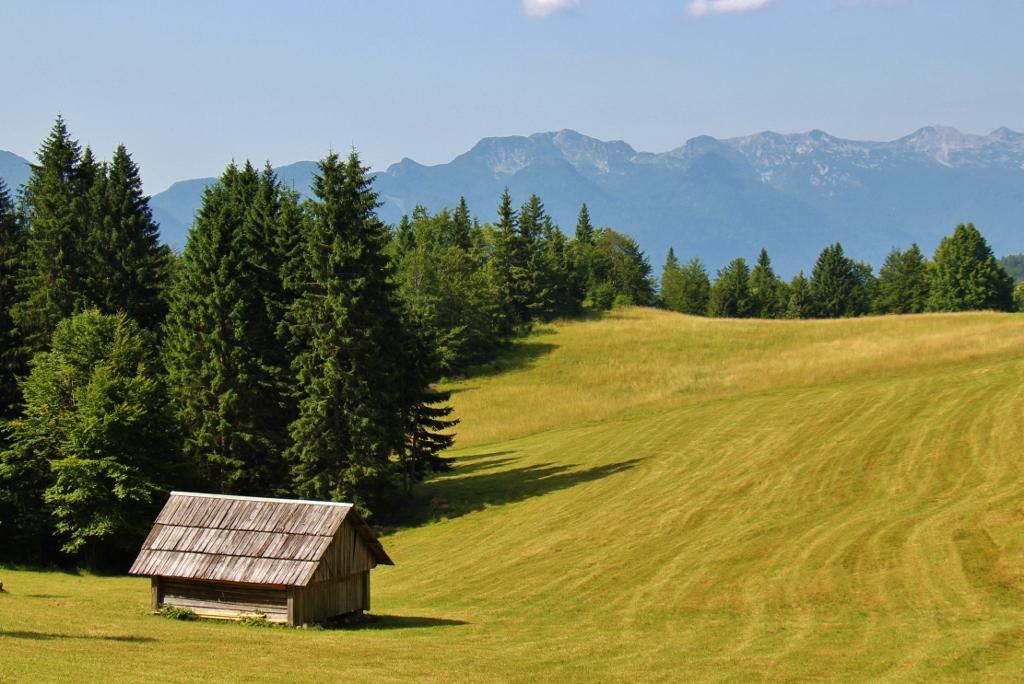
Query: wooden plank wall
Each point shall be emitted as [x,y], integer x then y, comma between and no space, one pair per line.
[321,600]
[347,555]
[224,600]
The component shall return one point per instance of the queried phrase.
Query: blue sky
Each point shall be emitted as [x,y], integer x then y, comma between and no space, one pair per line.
[189,85]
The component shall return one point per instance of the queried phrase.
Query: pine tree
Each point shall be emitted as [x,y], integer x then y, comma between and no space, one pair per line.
[902,286]
[833,285]
[509,268]
[426,413]
[584,228]
[51,284]
[129,267]
[347,335]
[536,282]
[672,285]
[462,226]
[800,304]
[582,254]
[12,352]
[222,350]
[966,276]
[563,296]
[764,289]
[696,288]
[730,293]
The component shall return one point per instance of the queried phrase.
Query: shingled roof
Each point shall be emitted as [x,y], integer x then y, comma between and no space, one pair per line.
[246,539]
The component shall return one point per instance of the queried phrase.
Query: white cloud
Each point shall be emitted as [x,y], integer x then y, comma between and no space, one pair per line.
[544,8]
[702,8]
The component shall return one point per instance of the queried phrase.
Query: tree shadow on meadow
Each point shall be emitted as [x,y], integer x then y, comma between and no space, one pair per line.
[519,356]
[376,621]
[47,636]
[486,480]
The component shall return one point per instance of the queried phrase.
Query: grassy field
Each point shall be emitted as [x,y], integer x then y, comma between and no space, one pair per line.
[651,496]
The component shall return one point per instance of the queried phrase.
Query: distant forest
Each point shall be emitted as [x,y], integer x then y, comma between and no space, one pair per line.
[963,275]
[294,347]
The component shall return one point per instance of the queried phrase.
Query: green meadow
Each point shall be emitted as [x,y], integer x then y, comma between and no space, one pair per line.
[651,496]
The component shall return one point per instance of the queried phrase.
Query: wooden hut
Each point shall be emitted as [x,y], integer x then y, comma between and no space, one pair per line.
[227,556]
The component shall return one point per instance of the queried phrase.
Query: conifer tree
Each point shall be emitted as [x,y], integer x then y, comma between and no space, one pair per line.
[966,276]
[902,283]
[563,296]
[730,293]
[696,288]
[129,267]
[536,283]
[582,252]
[222,351]
[462,226]
[584,228]
[51,284]
[764,289]
[800,303]
[347,335]
[425,410]
[833,284]
[508,261]
[12,352]
[672,286]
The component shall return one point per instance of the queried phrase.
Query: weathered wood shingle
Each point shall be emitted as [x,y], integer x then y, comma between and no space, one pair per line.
[246,539]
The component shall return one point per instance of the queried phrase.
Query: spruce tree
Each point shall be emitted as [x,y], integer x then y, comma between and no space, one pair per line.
[584,228]
[536,283]
[348,336]
[462,226]
[833,284]
[508,261]
[129,267]
[696,288]
[51,284]
[563,296]
[800,304]
[672,286]
[222,350]
[764,289]
[425,410]
[12,351]
[730,293]
[902,286]
[966,276]
[582,253]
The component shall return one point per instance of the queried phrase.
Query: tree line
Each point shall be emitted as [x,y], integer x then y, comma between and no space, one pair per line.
[292,348]
[963,275]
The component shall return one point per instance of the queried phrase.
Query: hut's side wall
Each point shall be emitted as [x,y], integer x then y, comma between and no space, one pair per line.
[216,600]
[347,555]
[322,600]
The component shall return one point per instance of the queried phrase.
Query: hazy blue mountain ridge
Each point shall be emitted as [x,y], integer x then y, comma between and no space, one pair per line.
[718,199]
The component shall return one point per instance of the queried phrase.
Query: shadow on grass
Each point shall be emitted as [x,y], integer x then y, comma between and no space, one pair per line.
[453,495]
[47,636]
[464,465]
[519,356]
[371,621]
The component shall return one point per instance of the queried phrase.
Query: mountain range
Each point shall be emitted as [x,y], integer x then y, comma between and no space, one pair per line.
[716,199]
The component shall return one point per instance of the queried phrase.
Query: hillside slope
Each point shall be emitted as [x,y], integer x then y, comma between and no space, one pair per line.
[652,496]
